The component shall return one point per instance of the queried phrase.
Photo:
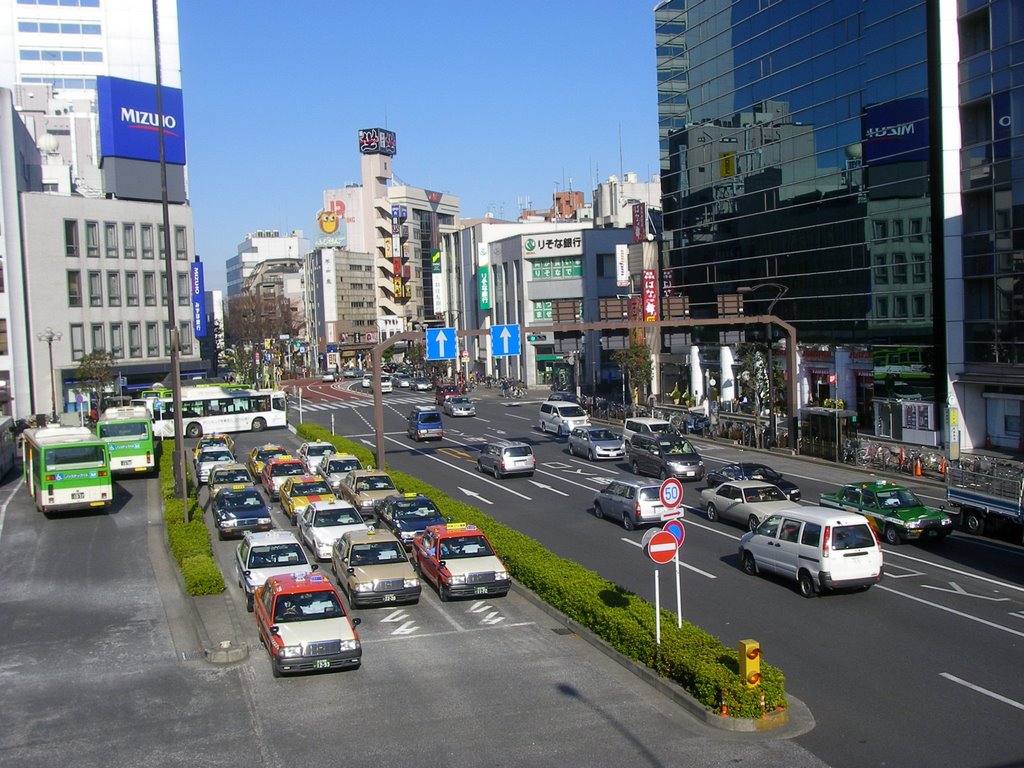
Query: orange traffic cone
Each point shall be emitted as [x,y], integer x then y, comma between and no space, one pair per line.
[917,467]
[942,466]
[723,708]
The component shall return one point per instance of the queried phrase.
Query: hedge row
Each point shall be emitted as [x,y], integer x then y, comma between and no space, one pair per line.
[187,534]
[694,659]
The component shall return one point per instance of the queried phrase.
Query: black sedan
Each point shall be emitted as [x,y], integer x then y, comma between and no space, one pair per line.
[408,514]
[750,471]
[236,511]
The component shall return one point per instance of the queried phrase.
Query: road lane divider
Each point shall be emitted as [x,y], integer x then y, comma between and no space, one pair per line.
[983,691]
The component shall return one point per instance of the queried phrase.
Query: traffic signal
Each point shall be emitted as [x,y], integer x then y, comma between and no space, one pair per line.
[750,662]
[537,338]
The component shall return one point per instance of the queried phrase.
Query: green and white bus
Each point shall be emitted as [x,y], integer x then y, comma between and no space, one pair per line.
[66,468]
[128,432]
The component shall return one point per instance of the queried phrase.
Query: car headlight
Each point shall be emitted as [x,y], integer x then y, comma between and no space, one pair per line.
[366,586]
[349,645]
[264,521]
[501,575]
[947,521]
[411,583]
[229,523]
[457,579]
[289,651]
[914,523]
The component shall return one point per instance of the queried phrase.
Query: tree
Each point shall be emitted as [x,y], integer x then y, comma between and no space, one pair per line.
[96,372]
[635,362]
[251,319]
[751,371]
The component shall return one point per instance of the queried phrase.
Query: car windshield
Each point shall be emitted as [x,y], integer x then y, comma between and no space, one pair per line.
[464,546]
[325,518]
[460,400]
[676,447]
[268,453]
[216,456]
[319,450]
[414,510]
[342,465]
[276,555]
[851,537]
[233,500]
[232,476]
[603,434]
[571,411]
[763,493]
[898,498]
[756,472]
[377,553]
[305,606]
[375,483]
[319,488]
[287,470]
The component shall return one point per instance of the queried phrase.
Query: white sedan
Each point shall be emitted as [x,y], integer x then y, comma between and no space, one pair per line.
[747,502]
[367,381]
[321,523]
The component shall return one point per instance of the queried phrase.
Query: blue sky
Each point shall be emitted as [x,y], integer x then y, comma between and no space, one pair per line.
[495,102]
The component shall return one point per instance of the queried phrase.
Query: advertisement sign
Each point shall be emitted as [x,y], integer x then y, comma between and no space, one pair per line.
[639,222]
[129,124]
[377,141]
[198,300]
[896,132]
[541,246]
[484,286]
[622,265]
[330,223]
[650,296]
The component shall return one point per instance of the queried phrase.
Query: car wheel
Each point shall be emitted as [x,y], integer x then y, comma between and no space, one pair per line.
[479,465]
[443,594]
[752,522]
[635,467]
[273,668]
[248,602]
[712,512]
[749,565]
[974,523]
[590,455]
[892,536]
[627,522]
[806,584]
[598,512]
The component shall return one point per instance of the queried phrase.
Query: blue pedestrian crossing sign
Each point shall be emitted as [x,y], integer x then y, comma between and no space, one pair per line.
[442,344]
[505,340]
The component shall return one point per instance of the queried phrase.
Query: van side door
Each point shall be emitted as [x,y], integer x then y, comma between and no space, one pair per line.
[763,544]
[789,551]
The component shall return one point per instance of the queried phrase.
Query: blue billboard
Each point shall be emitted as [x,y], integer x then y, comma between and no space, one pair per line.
[129,124]
[198,300]
[896,132]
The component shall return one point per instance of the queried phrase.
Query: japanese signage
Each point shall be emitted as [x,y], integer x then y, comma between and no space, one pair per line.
[484,286]
[129,124]
[570,244]
[639,222]
[650,296]
[198,300]
[621,265]
[377,141]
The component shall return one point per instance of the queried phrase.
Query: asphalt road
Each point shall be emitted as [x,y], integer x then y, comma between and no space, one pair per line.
[100,668]
[913,672]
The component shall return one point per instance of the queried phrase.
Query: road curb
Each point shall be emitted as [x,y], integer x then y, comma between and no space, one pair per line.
[794,721]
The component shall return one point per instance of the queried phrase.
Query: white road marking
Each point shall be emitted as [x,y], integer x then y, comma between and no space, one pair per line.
[7,501]
[549,488]
[1001,584]
[638,545]
[955,612]
[475,495]
[981,690]
[958,590]
[406,629]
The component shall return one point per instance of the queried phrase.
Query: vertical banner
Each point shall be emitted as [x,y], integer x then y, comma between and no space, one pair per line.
[198,300]
[650,296]
[639,222]
[621,265]
[484,286]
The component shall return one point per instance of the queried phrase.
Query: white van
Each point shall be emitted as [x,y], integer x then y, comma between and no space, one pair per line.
[642,425]
[562,417]
[821,549]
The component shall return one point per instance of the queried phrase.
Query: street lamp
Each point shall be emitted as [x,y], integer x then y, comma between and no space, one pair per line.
[50,336]
[744,289]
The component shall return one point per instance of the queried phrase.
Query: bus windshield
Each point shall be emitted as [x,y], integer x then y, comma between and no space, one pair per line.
[123,429]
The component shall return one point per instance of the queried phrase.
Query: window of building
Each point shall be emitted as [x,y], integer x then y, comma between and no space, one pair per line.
[95,289]
[129,241]
[185,337]
[71,238]
[184,290]
[114,288]
[899,268]
[163,288]
[557,268]
[149,288]
[110,239]
[99,344]
[881,269]
[147,241]
[92,239]
[917,304]
[180,244]
[116,340]
[881,229]
[919,269]
[899,306]
[74,288]
[3,337]
[974,34]
[49,186]
[152,340]
[3,288]
[77,341]
[167,339]
[131,288]
[134,340]
[161,242]
[917,230]
[606,265]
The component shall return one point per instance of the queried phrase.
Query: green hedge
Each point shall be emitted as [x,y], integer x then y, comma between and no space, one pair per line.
[689,656]
[187,534]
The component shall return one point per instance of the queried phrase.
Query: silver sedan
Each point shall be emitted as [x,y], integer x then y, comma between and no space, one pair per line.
[459,406]
[596,443]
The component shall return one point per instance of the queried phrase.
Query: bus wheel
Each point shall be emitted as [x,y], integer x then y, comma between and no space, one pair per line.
[194,429]
[259,424]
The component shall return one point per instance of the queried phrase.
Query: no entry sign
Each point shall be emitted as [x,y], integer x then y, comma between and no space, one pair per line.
[662,547]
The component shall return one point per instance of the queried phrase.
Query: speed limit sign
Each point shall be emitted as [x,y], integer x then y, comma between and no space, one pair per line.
[671,493]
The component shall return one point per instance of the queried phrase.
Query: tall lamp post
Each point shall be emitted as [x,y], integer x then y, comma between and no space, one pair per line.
[782,289]
[50,336]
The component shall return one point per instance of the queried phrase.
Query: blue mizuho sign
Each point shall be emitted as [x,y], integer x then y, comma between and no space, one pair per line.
[198,300]
[128,120]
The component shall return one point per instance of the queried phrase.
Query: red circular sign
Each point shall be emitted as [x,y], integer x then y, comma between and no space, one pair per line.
[671,492]
[662,547]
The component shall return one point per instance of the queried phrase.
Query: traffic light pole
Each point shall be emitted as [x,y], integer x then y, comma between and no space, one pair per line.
[377,352]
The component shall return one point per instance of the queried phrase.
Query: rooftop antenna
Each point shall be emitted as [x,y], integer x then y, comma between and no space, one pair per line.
[620,151]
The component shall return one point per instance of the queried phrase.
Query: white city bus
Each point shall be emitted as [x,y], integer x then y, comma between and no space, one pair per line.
[207,409]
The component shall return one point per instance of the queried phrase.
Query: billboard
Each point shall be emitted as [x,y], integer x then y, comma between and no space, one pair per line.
[377,141]
[896,132]
[650,296]
[621,265]
[484,286]
[129,124]
[198,300]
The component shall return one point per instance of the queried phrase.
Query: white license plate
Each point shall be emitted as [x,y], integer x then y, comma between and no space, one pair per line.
[389,598]
[126,462]
[78,495]
[322,664]
[481,590]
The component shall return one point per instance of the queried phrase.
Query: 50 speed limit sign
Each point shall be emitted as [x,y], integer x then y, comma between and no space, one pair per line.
[671,492]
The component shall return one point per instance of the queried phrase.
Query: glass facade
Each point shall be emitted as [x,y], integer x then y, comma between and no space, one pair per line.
[796,145]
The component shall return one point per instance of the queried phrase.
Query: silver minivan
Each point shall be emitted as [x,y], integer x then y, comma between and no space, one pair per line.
[821,549]
[506,457]
[642,425]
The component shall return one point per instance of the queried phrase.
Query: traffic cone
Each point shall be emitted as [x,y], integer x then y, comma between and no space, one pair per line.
[723,708]
[917,467]
[942,466]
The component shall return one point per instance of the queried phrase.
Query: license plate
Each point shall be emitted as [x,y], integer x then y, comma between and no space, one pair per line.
[389,598]
[931,533]
[126,462]
[480,590]
[322,664]
[78,495]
